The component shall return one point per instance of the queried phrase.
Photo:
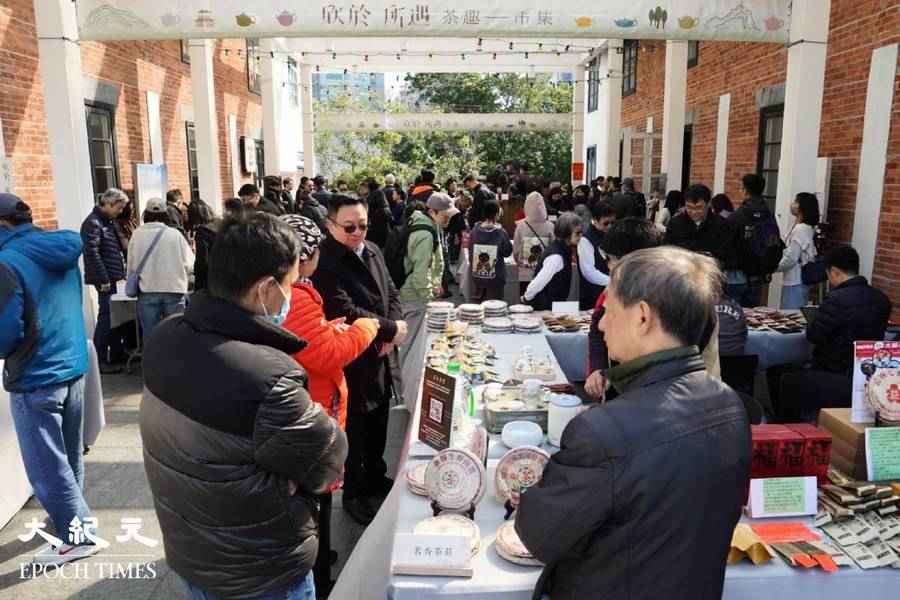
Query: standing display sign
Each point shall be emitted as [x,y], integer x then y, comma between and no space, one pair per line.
[734,20]
[436,420]
[868,359]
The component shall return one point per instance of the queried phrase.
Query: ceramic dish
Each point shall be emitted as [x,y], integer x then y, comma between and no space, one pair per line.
[522,433]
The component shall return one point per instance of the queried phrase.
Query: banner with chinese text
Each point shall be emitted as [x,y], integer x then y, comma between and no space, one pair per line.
[735,20]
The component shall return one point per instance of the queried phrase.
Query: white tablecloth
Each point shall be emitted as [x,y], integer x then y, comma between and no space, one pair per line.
[366,576]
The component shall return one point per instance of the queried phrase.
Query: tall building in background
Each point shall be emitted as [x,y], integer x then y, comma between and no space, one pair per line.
[361,86]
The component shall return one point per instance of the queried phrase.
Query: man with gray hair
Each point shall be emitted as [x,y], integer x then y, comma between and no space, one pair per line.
[104,266]
[644,495]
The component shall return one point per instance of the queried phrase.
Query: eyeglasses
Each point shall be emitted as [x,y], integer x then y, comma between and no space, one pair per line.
[351,228]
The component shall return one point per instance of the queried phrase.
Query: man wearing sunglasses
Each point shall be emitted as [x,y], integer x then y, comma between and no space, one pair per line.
[354,282]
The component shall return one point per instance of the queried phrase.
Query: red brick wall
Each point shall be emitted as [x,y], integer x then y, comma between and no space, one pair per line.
[742,69]
[134,68]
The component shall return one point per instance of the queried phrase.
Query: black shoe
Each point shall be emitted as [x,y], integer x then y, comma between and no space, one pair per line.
[359,510]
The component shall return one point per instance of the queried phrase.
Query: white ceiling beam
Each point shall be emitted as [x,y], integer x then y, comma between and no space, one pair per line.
[406,44]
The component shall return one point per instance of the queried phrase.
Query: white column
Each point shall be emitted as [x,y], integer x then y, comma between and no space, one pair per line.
[647,159]
[722,144]
[802,111]
[60,63]
[578,111]
[627,140]
[154,128]
[306,116]
[206,126]
[234,153]
[873,156]
[271,69]
[674,106]
[612,108]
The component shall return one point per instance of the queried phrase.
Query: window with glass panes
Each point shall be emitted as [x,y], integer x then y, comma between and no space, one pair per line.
[253,74]
[593,85]
[770,128]
[292,79]
[629,67]
[191,138]
[693,54]
[591,170]
[102,146]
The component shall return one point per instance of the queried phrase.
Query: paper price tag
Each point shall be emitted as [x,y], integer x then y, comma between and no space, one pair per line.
[883,453]
[783,497]
[441,555]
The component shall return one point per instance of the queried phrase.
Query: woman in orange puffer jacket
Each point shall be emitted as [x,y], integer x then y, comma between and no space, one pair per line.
[331,345]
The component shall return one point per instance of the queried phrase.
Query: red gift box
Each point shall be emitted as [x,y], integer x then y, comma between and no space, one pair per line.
[767,441]
[817,455]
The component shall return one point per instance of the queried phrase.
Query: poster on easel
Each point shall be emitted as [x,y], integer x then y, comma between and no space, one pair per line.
[868,359]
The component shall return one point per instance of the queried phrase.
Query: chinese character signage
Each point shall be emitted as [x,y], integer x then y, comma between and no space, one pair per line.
[735,20]
[436,420]
[374,122]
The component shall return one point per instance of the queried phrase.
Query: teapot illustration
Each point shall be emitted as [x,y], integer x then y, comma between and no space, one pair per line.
[625,23]
[688,22]
[584,22]
[286,18]
[204,19]
[245,20]
[773,23]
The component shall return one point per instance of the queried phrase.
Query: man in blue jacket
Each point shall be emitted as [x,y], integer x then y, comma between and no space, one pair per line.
[43,344]
[104,265]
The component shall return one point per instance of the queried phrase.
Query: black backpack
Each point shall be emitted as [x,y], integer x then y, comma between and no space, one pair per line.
[397,246]
[762,247]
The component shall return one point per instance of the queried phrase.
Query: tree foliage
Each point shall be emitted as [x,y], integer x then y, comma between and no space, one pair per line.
[355,157]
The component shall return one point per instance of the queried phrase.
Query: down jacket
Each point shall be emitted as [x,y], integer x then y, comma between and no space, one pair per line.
[226,423]
[643,496]
[103,258]
[328,350]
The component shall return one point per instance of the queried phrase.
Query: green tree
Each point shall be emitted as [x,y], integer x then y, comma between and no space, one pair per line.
[548,154]
[355,157]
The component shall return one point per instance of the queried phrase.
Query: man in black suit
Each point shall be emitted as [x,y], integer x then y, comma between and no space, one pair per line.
[354,282]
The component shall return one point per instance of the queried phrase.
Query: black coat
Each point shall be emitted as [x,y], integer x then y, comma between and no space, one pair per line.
[715,237]
[225,423]
[268,205]
[103,258]
[310,208]
[853,312]
[204,238]
[380,218]
[642,499]
[352,287]
[630,204]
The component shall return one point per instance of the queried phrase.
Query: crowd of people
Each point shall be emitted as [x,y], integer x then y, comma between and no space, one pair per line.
[304,303]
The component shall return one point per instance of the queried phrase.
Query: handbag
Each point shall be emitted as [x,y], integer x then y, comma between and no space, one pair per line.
[133,282]
[813,273]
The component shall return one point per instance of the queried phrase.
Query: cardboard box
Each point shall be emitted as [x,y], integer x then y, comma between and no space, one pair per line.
[848,441]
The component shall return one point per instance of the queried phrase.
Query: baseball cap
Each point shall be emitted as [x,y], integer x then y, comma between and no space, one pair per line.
[439,202]
[155,205]
[10,204]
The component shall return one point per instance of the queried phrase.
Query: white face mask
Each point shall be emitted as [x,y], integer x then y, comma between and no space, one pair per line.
[278,319]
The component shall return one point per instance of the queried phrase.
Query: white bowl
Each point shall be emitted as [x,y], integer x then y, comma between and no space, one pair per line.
[522,433]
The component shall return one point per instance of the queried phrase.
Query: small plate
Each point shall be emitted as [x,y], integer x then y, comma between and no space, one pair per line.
[509,547]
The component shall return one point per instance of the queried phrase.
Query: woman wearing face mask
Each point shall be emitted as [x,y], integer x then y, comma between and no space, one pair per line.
[801,249]
[554,276]
[331,345]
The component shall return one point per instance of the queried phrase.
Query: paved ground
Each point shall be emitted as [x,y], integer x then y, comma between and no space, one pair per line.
[117,487]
